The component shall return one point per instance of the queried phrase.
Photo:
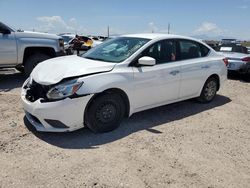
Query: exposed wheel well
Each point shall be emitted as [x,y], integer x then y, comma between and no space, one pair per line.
[32,50]
[217,79]
[113,90]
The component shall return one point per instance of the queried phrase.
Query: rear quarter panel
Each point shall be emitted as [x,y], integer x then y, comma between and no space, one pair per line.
[218,67]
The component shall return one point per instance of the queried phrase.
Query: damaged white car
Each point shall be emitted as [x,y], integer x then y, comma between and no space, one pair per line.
[119,77]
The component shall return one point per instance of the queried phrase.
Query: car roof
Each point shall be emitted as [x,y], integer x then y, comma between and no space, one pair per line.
[158,36]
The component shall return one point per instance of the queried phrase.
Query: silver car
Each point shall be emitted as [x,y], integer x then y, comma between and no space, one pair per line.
[248,50]
[238,58]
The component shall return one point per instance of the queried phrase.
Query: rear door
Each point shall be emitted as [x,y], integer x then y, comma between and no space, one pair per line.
[194,67]
[8,47]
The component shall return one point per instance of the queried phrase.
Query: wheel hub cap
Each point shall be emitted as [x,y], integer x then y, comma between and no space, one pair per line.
[210,90]
[106,113]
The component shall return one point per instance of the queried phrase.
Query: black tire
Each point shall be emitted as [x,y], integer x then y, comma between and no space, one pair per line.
[32,61]
[105,113]
[209,90]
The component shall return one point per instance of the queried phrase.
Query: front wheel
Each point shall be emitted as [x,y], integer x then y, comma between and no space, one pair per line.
[105,113]
[32,61]
[209,90]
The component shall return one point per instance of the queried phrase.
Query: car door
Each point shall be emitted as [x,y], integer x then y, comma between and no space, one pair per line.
[158,84]
[8,47]
[194,67]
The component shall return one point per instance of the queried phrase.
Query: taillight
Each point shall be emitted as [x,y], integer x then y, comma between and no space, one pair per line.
[225,61]
[246,59]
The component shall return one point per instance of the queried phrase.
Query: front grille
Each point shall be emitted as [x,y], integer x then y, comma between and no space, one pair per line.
[56,123]
[36,91]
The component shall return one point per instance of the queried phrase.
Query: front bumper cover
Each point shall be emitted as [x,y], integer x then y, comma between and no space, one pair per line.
[59,116]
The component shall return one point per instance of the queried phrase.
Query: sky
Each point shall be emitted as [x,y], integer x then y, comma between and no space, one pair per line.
[201,18]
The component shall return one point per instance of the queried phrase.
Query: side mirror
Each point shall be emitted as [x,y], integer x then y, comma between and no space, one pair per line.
[146,61]
[5,31]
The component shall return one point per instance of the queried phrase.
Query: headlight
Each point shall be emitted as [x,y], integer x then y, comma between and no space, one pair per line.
[27,82]
[64,90]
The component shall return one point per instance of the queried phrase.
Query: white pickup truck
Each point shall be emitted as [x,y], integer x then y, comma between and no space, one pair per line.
[24,50]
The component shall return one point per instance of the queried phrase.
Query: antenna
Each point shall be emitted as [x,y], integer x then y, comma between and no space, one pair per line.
[168,28]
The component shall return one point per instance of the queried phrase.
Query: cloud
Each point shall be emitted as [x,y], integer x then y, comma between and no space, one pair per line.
[155,29]
[243,7]
[208,28]
[56,24]
[73,22]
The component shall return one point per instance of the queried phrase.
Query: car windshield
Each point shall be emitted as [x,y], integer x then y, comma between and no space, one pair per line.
[116,50]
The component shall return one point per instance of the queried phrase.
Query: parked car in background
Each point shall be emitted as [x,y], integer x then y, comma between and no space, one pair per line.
[96,41]
[68,37]
[24,50]
[81,43]
[212,44]
[228,41]
[238,57]
[118,78]
[248,50]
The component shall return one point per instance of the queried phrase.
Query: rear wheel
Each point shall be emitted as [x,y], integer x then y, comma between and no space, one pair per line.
[209,90]
[105,113]
[32,61]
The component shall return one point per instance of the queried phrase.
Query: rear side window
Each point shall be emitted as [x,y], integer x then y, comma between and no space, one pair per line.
[191,49]
[204,50]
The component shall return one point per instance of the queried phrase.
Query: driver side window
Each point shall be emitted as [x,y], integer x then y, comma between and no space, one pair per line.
[162,51]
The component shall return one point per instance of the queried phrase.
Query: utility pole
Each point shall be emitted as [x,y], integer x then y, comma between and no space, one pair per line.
[108,31]
[168,28]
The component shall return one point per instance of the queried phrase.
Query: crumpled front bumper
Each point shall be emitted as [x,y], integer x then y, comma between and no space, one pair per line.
[58,116]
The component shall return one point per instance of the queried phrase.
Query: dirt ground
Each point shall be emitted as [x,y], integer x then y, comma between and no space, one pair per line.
[186,144]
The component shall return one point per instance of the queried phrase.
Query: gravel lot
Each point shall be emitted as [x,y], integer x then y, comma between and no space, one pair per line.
[186,144]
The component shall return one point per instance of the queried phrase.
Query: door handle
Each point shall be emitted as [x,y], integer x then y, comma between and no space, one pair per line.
[174,72]
[205,66]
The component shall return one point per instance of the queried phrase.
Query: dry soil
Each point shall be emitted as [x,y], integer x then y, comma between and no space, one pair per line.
[186,144]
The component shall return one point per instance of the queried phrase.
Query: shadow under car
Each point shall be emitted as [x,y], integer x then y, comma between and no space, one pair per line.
[145,120]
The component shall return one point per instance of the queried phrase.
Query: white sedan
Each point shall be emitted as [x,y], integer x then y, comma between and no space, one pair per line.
[120,77]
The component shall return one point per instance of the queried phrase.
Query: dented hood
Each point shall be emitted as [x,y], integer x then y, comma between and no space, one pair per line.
[54,70]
